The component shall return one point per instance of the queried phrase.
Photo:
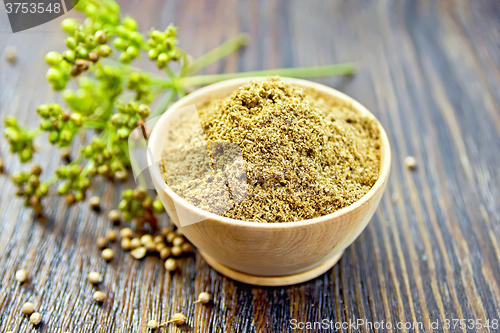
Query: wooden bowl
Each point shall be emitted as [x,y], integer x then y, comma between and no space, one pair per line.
[268,254]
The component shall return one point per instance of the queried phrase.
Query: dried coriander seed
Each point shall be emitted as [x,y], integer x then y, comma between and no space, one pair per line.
[125,244]
[11,54]
[158,239]
[28,308]
[135,243]
[95,203]
[114,216]
[98,296]
[176,251]
[150,246]
[107,254]
[21,275]
[101,242]
[170,236]
[165,231]
[165,253]
[203,298]
[152,324]
[178,319]
[187,248]
[36,318]
[171,264]
[111,235]
[146,239]
[139,252]
[94,277]
[160,246]
[178,241]
[1,165]
[410,162]
[126,233]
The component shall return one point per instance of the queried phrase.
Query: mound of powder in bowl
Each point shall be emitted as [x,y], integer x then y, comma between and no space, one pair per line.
[273,152]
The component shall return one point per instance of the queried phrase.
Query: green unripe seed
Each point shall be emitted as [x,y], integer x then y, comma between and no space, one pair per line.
[71,43]
[104,51]
[101,37]
[76,118]
[69,25]
[130,23]
[43,110]
[125,58]
[53,58]
[54,75]
[26,155]
[53,136]
[132,51]
[82,52]
[69,56]
[158,207]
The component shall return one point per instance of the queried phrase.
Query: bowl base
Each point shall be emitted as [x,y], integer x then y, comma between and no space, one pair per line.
[272,281]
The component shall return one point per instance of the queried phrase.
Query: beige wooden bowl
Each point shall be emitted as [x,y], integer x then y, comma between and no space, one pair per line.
[268,254]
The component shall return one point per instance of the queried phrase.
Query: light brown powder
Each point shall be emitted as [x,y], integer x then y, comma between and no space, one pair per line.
[273,152]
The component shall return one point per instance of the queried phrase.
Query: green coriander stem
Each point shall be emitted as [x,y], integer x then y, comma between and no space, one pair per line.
[317,71]
[218,53]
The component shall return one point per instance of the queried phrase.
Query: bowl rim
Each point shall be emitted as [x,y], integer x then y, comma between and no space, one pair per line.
[385,162]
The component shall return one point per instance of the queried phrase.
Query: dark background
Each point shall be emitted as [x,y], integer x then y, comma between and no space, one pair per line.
[429,70]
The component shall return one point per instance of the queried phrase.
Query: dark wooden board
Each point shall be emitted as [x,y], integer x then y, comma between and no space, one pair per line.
[429,70]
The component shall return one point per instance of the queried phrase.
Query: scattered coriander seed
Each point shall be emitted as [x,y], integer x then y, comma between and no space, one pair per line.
[152,324]
[36,318]
[98,297]
[135,243]
[177,241]
[165,231]
[170,236]
[176,251]
[11,54]
[28,308]
[107,254]
[65,154]
[111,235]
[160,246]
[114,216]
[101,242]
[178,319]
[165,253]
[187,248]
[411,162]
[94,277]
[171,264]
[146,239]
[21,275]
[1,165]
[126,233]
[139,252]
[150,246]
[95,203]
[203,298]
[158,239]
[125,244]
[395,197]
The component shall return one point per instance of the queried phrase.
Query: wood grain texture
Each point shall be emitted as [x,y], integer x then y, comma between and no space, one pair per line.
[429,71]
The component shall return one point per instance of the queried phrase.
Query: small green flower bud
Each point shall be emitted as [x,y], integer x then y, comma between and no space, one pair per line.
[69,25]
[53,58]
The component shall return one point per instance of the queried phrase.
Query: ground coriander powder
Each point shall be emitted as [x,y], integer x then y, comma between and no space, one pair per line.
[280,152]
